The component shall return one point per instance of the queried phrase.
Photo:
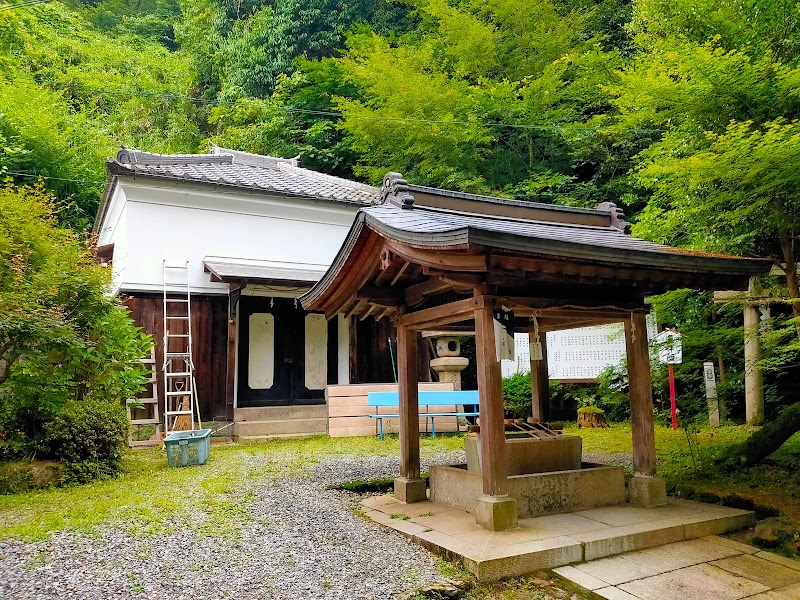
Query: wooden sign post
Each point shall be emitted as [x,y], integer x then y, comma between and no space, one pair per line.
[670,352]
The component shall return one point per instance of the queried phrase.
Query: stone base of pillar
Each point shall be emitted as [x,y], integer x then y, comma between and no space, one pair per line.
[409,490]
[496,513]
[647,491]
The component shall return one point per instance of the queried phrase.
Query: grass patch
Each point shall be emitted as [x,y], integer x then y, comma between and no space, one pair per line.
[686,459]
[212,499]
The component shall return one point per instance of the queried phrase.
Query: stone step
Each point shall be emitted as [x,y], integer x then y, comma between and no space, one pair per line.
[281,413]
[280,427]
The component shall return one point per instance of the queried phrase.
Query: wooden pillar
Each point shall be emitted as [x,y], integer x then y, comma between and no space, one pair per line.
[540,380]
[409,487]
[753,378]
[230,374]
[494,510]
[644,488]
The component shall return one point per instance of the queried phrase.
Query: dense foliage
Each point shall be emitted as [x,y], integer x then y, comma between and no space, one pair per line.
[684,111]
[64,341]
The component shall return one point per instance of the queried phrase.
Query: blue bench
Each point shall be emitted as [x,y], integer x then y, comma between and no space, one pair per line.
[425,400]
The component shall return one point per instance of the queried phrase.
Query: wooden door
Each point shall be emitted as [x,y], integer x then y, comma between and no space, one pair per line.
[274,351]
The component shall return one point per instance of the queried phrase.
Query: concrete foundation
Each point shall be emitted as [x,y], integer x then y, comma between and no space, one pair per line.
[525,455]
[409,490]
[647,491]
[496,513]
[556,540]
[536,494]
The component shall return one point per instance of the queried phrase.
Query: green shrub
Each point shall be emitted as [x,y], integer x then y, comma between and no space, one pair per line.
[89,437]
[517,395]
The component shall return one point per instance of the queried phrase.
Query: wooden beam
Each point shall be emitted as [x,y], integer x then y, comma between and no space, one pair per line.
[357,307]
[408,387]
[383,313]
[382,296]
[414,294]
[452,259]
[368,313]
[430,318]
[572,323]
[540,379]
[490,392]
[399,273]
[462,280]
[641,393]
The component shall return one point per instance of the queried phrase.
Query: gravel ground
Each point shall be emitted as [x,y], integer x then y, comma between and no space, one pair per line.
[299,540]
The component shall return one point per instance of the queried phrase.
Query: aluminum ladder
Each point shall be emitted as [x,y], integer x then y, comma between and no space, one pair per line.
[179,381]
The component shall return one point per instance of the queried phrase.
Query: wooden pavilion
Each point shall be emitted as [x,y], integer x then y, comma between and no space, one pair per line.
[437,259]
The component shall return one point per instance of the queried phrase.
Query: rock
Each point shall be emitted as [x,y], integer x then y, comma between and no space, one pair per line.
[439,590]
[771,533]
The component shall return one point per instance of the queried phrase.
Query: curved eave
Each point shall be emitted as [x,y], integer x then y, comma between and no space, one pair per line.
[660,257]
[316,297]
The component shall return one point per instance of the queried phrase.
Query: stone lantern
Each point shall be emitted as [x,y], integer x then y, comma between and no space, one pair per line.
[449,363]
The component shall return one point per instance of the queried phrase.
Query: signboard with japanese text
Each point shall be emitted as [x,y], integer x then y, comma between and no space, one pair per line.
[668,346]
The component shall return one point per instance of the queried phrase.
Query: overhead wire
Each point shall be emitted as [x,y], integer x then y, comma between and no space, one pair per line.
[23,4]
[333,114]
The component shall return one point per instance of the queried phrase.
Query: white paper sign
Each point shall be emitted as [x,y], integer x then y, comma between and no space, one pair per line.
[504,334]
[668,344]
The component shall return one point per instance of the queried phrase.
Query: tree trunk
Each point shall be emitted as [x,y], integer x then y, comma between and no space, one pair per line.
[765,441]
[789,258]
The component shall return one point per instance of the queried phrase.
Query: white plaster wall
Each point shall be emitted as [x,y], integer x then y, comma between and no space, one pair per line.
[115,231]
[189,222]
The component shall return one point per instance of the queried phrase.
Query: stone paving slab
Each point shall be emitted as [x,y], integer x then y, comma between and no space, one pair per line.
[613,570]
[679,555]
[698,582]
[757,569]
[558,540]
[701,569]
[792,592]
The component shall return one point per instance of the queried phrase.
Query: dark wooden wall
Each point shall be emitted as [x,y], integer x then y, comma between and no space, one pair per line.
[209,337]
[370,357]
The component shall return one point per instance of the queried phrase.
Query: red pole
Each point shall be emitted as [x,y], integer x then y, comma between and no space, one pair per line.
[672,405]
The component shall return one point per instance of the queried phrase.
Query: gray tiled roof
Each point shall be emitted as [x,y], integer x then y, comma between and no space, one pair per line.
[427,226]
[245,171]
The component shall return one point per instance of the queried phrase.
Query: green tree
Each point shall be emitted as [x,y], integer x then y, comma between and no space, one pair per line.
[480,97]
[62,337]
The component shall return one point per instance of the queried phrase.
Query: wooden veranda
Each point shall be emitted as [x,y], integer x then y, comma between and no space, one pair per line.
[436,259]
